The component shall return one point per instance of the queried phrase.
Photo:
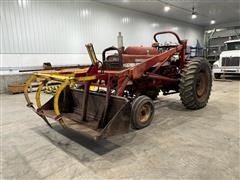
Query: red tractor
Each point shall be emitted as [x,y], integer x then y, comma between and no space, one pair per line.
[118,92]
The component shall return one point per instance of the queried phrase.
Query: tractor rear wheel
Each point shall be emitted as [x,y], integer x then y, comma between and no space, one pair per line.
[142,112]
[195,84]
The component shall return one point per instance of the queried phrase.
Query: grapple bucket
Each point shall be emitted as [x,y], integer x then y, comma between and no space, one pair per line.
[99,120]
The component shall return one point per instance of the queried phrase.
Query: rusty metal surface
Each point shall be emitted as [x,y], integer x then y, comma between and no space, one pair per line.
[138,70]
[140,50]
[116,120]
[82,128]
[161,78]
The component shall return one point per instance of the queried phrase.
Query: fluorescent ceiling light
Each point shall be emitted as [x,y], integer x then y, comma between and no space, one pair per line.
[20,2]
[220,30]
[209,31]
[212,22]
[167,8]
[85,12]
[125,20]
[194,15]
[23,3]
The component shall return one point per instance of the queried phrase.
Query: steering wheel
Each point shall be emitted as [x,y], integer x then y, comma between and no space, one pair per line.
[114,61]
[165,47]
[166,32]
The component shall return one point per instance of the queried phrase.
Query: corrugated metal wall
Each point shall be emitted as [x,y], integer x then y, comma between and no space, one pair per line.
[50,27]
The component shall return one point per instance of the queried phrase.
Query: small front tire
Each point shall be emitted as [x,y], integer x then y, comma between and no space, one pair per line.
[142,112]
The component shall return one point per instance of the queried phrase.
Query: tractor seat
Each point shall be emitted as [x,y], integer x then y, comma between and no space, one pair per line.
[113,62]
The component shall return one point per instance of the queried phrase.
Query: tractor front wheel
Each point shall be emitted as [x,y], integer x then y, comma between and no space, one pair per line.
[142,112]
[195,84]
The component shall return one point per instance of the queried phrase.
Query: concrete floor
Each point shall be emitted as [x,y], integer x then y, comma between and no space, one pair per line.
[179,144]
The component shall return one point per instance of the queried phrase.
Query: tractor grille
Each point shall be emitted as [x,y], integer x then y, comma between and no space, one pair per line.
[230,61]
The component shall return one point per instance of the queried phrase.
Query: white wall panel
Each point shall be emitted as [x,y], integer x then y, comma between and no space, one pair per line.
[64,27]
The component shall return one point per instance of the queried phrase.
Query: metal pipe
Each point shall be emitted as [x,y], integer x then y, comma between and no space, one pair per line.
[91,53]
[85,100]
[161,78]
[120,40]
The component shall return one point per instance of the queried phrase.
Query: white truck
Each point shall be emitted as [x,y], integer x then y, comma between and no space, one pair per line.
[229,61]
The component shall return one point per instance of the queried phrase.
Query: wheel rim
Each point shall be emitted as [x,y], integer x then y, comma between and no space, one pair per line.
[145,113]
[202,85]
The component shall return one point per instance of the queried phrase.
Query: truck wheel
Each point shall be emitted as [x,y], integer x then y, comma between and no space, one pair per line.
[217,75]
[195,84]
[142,112]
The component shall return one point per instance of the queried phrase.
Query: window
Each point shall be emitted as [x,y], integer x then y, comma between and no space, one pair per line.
[233,46]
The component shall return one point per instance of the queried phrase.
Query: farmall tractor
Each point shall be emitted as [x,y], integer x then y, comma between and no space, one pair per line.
[116,94]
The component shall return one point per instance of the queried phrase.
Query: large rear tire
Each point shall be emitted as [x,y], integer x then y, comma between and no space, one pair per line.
[142,112]
[195,84]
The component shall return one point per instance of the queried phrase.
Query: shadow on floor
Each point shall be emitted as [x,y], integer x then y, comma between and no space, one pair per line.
[71,142]
[230,77]
[170,104]
[99,147]
[82,148]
